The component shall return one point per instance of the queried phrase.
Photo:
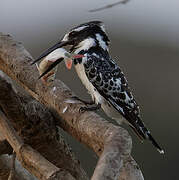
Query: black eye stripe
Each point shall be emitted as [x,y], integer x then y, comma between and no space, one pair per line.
[73,33]
[76,33]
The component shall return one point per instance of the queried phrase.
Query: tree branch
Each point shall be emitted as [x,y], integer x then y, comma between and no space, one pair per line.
[20,172]
[35,124]
[112,143]
[110,6]
[30,158]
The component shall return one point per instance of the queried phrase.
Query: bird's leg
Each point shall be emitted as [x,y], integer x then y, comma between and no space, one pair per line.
[83,101]
[93,108]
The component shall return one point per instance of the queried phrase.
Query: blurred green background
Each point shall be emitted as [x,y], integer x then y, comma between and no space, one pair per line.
[144,42]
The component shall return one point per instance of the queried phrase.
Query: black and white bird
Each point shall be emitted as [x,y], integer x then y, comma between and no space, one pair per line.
[102,77]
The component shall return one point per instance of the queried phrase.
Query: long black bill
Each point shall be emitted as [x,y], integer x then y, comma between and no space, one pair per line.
[51,66]
[48,51]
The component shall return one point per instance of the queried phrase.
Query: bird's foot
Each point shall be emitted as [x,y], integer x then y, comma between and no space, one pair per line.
[93,108]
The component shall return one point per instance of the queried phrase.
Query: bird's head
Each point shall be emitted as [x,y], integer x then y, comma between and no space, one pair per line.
[82,37]
[87,35]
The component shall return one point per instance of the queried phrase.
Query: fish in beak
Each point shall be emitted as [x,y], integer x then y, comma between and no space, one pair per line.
[47,69]
[53,48]
[48,66]
[69,57]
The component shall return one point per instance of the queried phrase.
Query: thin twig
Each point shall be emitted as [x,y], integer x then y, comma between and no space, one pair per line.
[109,6]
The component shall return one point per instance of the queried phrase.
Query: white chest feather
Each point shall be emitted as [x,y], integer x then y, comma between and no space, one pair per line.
[91,89]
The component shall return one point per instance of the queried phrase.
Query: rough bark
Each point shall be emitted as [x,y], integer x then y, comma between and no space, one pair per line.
[34,122]
[113,144]
[20,172]
[31,159]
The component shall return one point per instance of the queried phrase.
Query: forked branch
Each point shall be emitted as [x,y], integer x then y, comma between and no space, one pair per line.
[30,158]
[35,124]
[113,144]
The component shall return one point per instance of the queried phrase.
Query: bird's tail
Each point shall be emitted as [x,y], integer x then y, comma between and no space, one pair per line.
[143,133]
[161,151]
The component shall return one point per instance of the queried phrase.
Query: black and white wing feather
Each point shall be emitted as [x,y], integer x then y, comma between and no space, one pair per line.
[110,82]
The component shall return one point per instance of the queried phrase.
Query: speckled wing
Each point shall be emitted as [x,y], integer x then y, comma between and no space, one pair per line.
[110,82]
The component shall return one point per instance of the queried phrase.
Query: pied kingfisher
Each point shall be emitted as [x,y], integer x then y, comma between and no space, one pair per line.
[102,77]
